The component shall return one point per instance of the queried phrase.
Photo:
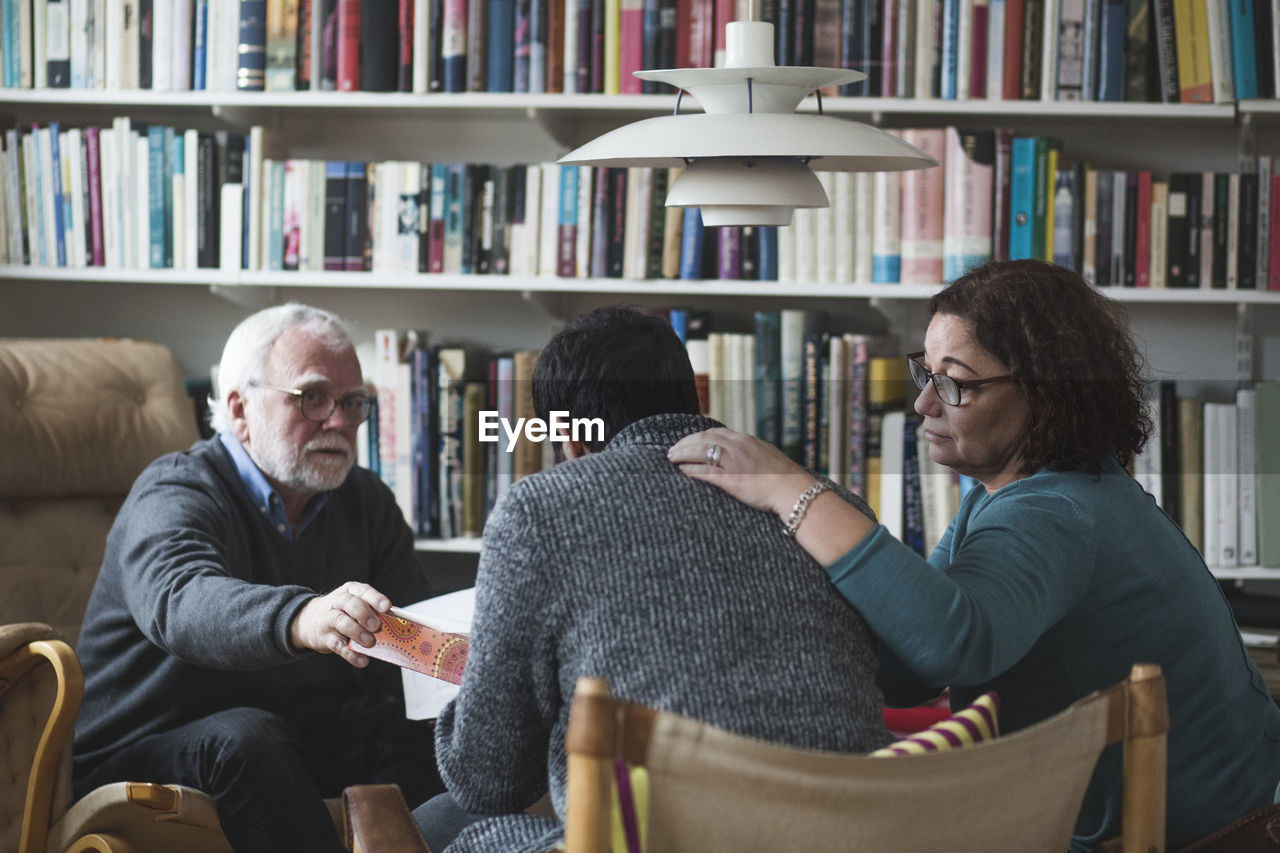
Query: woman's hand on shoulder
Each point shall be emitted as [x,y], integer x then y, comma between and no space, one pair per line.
[753,471]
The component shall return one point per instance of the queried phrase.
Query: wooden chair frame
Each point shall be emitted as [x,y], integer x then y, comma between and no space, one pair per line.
[603,728]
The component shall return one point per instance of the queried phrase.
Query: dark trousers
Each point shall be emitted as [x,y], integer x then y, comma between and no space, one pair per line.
[268,776]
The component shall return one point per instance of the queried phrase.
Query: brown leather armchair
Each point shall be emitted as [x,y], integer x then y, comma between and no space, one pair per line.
[79,420]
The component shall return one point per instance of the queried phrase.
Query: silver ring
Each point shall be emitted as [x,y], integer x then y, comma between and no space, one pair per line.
[713,454]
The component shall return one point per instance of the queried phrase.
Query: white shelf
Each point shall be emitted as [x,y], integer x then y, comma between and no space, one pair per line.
[624,107]
[1246,573]
[607,286]
[461,545]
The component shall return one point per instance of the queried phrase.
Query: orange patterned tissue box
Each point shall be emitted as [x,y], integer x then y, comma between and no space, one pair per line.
[412,645]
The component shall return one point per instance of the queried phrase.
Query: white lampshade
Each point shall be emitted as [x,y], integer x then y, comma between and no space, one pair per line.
[747,159]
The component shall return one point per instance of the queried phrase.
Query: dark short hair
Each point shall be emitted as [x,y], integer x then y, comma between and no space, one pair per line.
[1071,356]
[617,364]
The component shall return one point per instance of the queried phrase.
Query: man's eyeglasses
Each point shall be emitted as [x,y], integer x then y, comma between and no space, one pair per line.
[948,389]
[318,405]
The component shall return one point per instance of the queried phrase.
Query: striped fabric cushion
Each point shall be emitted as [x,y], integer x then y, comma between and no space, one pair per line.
[974,724]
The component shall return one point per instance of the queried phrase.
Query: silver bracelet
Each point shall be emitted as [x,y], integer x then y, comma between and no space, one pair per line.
[802,506]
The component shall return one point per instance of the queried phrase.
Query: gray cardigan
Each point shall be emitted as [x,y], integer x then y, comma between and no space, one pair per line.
[617,565]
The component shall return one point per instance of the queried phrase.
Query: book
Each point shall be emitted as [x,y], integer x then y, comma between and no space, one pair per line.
[1244,60]
[1266,420]
[1247,477]
[412,644]
[378,60]
[1191,32]
[1022,180]
[1166,52]
[922,211]
[251,70]
[967,219]
[1218,34]
[886,235]
[1191,468]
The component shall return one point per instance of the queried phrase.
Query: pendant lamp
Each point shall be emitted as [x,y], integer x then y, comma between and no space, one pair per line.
[747,158]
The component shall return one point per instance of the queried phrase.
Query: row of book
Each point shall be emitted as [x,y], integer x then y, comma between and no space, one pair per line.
[1109,50]
[1175,51]
[828,399]
[1214,467]
[1135,228]
[423,438]
[190,199]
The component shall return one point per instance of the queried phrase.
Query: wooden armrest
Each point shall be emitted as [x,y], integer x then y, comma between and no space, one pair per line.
[376,820]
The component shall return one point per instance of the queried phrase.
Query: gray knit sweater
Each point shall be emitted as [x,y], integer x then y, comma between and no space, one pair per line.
[617,565]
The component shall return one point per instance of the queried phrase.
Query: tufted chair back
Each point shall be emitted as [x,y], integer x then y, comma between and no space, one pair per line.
[79,420]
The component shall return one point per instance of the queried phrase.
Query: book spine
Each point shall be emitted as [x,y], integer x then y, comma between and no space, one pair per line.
[1033,26]
[1247,233]
[1244,63]
[453,46]
[922,212]
[347,48]
[251,71]
[378,55]
[1273,243]
[1142,239]
[1166,51]
[1191,30]
[886,235]
[477,46]
[1111,56]
[54,201]
[522,45]
[1070,73]
[1022,197]
[1218,36]
[691,245]
[501,46]
[967,221]
[156,181]
[1014,23]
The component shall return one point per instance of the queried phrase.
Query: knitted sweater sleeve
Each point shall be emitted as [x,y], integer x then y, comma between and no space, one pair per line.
[1024,561]
[179,583]
[491,742]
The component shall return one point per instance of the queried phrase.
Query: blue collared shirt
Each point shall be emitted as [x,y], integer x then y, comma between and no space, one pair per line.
[264,495]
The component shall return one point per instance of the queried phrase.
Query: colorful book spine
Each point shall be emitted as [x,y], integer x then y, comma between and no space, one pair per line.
[1142,239]
[56,194]
[453,46]
[156,180]
[691,245]
[251,71]
[886,235]
[1244,60]
[501,47]
[347,49]
[1022,180]
[93,161]
[967,220]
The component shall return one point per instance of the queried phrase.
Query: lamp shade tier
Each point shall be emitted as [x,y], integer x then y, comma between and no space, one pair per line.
[740,192]
[825,143]
[773,88]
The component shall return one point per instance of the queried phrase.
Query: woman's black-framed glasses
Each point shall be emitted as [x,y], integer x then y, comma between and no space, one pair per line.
[948,389]
[317,405]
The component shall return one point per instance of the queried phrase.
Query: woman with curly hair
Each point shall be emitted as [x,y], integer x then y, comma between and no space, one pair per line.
[1060,572]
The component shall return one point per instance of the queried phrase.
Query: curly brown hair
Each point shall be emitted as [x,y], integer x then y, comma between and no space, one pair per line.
[1070,354]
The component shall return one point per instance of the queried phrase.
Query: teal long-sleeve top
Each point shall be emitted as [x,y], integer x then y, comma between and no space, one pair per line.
[1051,588]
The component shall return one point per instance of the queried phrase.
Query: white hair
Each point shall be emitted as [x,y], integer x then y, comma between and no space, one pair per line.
[244,358]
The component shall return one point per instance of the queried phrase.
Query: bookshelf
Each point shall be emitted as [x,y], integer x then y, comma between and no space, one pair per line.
[1190,335]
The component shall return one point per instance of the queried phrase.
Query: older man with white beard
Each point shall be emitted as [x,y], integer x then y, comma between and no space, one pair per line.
[217,642]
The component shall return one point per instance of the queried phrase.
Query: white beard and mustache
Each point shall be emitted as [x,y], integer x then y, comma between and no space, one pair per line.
[300,468]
